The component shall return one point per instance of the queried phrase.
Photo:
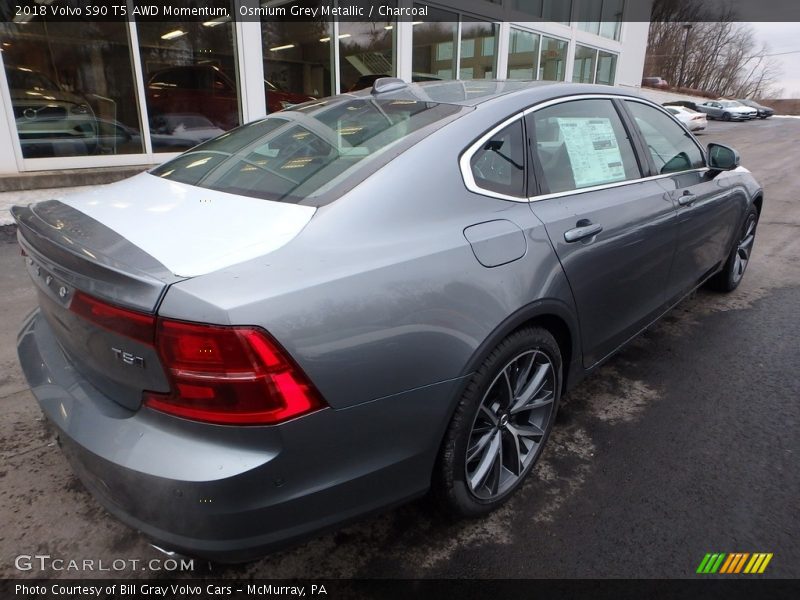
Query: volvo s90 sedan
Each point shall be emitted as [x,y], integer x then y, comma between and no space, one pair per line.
[360,299]
[727,110]
[764,112]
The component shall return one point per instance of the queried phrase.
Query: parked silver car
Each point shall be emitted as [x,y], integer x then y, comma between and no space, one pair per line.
[727,110]
[363,298]
[764,112]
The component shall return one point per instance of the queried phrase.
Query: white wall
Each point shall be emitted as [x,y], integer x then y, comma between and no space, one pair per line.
[631,59]
[8,137]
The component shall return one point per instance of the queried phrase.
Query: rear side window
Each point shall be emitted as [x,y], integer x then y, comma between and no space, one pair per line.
[499,165]
[582,143]
[670,145]
[305,152]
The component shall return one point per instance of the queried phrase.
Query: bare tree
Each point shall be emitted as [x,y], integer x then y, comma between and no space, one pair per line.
[709,52]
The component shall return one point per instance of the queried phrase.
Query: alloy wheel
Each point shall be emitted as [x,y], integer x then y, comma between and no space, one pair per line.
[744,249]
[511,424]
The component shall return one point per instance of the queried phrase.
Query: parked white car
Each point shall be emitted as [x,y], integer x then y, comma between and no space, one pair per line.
[694,121]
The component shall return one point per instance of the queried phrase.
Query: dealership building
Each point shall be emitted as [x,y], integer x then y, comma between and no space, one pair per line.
[127,93]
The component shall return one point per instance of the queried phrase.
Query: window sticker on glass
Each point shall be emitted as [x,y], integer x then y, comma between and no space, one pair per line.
[593,150]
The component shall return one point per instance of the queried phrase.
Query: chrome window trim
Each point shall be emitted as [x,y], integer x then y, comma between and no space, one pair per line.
[466,159]
[466,156]
[615,184]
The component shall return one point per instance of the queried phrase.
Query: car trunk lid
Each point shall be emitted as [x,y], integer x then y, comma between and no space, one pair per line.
[120,250]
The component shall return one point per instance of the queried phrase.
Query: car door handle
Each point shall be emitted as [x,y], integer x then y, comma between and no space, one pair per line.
[584,231]
[687,199]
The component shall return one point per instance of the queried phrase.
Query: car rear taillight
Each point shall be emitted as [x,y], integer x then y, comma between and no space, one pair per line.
[229,375]
[130,323]
[218,374]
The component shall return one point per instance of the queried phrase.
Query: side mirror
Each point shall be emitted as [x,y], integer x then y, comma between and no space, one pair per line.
[722,158]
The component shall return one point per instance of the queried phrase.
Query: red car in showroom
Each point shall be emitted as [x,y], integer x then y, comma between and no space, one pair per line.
[184,88]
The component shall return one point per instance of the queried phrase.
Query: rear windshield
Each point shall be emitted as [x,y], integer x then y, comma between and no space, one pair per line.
[301,153]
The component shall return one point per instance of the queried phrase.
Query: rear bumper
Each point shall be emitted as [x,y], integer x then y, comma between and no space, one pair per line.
[234,493]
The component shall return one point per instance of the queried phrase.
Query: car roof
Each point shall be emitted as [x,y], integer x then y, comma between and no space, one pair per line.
[473,92]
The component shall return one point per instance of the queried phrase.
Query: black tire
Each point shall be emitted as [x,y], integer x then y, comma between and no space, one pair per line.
[451,482]
[726,116]
[732,273]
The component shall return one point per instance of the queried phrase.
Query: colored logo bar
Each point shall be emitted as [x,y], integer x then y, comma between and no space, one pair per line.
[731,563]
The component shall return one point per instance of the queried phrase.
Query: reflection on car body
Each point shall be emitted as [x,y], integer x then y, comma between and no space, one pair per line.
[362,298]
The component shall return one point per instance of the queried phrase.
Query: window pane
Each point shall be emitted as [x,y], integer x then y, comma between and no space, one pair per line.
[190,80]
[530,7]
[559,11]
[671,146]
[582,144]
[547,10]
[500,165]
[583,66]
[522,54]
[298,58]
[366,51]
[434,43]
[606,68]
[588,15]
[552,65]
[281,159]
[611,18]
[72,87]
[478,49]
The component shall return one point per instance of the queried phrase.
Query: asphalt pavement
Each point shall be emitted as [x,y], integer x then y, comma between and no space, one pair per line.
[687,442]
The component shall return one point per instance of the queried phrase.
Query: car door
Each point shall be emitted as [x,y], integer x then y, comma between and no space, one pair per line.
[709,210]
[714,109]
[612,229]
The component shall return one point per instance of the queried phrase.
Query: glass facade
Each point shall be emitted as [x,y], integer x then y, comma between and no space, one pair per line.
[557,11]
[88,89]
[478,49]
[298,58]
[434,46]
[523,54]
[366,52]
[72,88]
[606,68]
[190,75]
[594,66]
[584,65]
[438,51]
[553,59]
[601,17]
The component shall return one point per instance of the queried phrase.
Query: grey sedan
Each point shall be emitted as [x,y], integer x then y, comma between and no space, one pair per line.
[764,112]
[362,299]
[727,110]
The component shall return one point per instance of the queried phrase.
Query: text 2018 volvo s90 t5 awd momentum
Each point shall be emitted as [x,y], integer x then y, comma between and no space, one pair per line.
[353,301]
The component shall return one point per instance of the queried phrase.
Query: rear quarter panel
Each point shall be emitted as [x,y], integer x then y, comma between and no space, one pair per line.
[381,292]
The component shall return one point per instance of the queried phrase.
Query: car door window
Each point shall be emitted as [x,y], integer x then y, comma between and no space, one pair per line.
[672,148]
[583,143]
[499,165]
